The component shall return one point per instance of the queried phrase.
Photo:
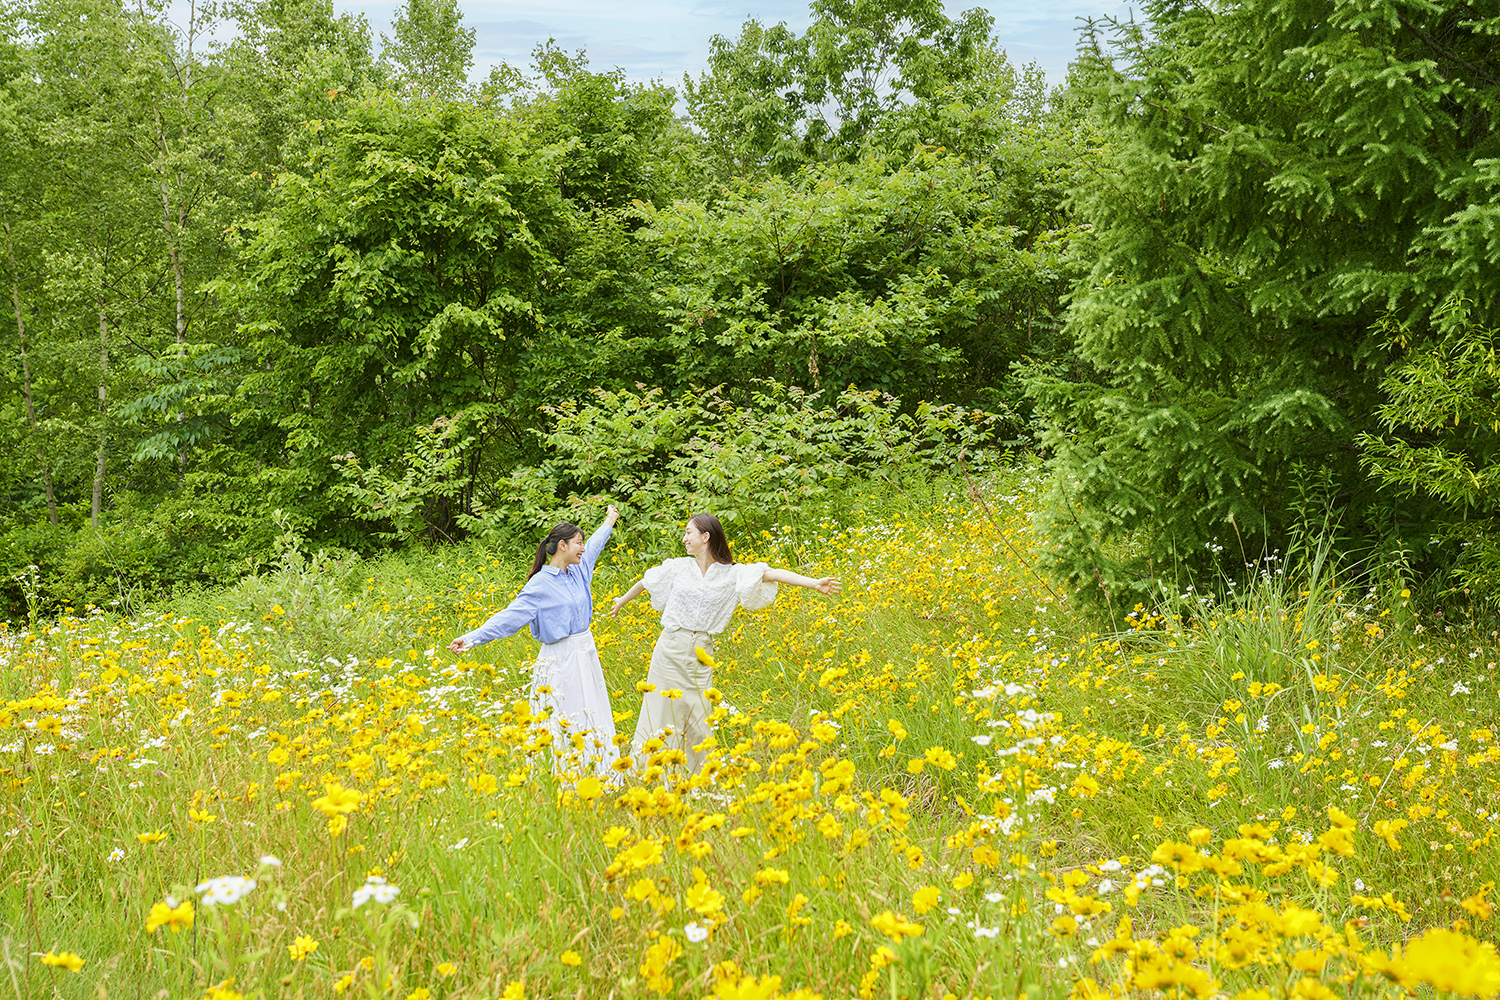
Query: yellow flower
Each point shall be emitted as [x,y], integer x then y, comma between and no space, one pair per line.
[66,960]
[703,900]
[302,947]
[1386,830]
[344,983]
[749,988]
[1183,857]
[224,991]
[590,788]
[963,880]
[639,855]
[446,968]
[174,917]
[841,929]
[940,757]
[337,800]
[570,958]
[198,816]
[1454,963]
[895,926]
[420,993]
[926,899]
[1479,904]
[152,837]
[484,784]
[663,953]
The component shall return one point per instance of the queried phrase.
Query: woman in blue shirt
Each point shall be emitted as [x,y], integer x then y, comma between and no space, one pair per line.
[568,682]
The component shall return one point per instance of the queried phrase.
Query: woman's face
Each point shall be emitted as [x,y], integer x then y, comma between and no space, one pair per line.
[569,551]
[693,540]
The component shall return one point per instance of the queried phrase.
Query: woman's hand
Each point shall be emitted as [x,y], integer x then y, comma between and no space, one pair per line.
[625,598]
[828,585]
[612,515]
[457,645]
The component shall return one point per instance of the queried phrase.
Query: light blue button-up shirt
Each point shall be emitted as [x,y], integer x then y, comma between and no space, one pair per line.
[556,603]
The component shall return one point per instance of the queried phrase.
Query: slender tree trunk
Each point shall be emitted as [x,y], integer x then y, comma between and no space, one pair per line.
[15,299]
[174,233]
[179,284]
[99,468]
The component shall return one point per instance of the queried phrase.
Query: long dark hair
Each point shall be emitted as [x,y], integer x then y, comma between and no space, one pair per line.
[548,546]
[718,543]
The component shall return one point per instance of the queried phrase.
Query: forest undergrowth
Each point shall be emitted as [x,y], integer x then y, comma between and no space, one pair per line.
[950,781]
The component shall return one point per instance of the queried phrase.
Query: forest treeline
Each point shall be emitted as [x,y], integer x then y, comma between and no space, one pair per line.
[1234,276]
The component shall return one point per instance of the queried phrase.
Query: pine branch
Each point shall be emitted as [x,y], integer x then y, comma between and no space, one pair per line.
[1441,52]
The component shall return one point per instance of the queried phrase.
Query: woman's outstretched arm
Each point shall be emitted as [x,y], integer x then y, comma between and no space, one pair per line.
[627,597]
[507,621]
[823,585]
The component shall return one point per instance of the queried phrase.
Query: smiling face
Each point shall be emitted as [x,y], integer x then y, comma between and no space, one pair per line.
[693,540]
[569,552]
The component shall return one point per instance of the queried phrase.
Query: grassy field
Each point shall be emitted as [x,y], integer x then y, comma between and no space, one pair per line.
[943,783]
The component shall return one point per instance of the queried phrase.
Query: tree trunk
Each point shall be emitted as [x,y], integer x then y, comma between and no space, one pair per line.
[174,232]
[99,468]
[15,299]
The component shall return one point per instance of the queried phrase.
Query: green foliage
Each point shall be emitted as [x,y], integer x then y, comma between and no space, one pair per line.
[905,280]
[398,281]
[787,456]
[1442,434]
[621,142]
[1276,178]
[431,52]
[310,271]
[771,99]
[429,476]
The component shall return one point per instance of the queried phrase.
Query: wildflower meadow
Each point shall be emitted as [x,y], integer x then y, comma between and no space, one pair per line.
[950,781]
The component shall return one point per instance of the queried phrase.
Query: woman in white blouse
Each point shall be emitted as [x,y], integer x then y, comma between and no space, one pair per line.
[696,595]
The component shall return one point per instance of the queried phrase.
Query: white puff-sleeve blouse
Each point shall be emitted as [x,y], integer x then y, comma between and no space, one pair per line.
[704,602]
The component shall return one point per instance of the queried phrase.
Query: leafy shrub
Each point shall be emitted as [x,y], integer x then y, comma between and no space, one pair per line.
[787,457]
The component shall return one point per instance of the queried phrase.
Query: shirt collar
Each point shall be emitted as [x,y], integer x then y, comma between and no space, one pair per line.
[552,570]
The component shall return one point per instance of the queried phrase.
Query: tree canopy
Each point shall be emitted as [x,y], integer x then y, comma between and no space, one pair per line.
[1279,181]
[1238,270]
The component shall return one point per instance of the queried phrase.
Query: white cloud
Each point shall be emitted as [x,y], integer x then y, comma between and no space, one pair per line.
[662,39]
[666,38]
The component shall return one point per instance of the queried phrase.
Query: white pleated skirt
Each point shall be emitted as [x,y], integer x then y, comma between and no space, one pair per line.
[567,683]
[680,722]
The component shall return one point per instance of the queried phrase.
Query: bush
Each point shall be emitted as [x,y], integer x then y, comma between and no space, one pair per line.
[788,457]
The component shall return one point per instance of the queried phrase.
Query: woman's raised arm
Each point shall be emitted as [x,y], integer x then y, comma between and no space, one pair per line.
[596,541]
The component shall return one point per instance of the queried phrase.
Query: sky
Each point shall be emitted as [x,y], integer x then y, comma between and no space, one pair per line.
[662,39]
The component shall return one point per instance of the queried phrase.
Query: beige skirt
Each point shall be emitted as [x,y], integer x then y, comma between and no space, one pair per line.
[680,722]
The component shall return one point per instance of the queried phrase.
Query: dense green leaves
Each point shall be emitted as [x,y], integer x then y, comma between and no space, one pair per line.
[1280,175]
[773,99]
